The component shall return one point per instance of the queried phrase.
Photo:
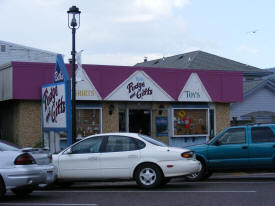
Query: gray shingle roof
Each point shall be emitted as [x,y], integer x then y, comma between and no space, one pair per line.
[205,61]
[249,86]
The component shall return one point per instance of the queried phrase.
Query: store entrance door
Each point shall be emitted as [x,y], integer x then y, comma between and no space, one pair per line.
[140,121]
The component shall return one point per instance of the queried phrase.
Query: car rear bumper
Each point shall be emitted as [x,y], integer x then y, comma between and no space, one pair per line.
[180,167]
[28,175]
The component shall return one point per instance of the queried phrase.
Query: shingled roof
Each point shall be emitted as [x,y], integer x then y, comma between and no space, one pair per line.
[251,86]
[204,61]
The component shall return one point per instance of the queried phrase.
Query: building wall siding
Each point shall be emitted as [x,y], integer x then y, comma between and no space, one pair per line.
[5,83]
[262,100]
[15,52]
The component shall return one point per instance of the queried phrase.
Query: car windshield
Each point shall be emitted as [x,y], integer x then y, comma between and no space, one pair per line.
[152,141]
[7,146]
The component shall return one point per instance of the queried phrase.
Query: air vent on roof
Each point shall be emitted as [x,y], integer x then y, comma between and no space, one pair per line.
[180,57]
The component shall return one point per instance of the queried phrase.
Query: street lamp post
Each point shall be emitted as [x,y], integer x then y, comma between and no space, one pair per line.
[73,24]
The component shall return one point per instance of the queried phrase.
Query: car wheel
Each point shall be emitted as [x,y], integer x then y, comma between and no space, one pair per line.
[2,188]
[22,191]
[198,175]
[148,176]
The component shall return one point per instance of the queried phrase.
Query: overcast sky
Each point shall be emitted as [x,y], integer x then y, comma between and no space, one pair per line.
[122,32]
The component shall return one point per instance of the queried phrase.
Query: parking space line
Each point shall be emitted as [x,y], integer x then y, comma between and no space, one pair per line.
[231,182]
[50,204]
[135,191]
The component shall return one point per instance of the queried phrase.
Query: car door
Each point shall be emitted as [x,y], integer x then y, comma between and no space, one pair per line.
[82,160]
[121,154]
[229,150]
[262,147]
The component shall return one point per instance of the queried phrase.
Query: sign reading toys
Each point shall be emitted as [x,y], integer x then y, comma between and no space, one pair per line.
[53,106]
[139,87]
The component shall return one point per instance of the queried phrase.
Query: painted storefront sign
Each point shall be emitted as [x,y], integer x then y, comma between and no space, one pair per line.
[85,90]
[194,90]
[139,87]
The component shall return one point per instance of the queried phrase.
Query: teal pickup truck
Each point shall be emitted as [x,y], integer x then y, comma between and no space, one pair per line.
[239,148]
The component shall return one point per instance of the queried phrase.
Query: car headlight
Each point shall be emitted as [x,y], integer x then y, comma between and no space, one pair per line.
[188,155]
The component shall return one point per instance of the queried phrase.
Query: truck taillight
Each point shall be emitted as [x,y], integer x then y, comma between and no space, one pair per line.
[24,159]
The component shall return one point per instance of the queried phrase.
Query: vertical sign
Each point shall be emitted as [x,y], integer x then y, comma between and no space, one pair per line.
[56,103]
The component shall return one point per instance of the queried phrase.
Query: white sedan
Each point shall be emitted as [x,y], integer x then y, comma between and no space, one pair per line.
[128,156]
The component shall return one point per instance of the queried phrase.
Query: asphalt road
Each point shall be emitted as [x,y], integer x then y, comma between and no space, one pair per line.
[220,190]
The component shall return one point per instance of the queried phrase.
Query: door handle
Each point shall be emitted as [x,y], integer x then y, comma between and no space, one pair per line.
[92,158]
[244,147]
[132,156]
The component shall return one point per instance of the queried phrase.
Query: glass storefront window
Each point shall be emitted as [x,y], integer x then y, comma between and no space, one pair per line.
[190,122]
[88,122]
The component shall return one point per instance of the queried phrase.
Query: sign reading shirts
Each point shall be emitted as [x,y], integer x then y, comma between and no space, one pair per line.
[139,87]
[56,102]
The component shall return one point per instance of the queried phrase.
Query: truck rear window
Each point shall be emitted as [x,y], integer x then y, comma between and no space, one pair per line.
[262,134]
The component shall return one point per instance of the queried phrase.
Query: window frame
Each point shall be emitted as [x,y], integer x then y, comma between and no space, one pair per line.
[262,141]
[87,139]
[193,135]
[218,142]
[105,142]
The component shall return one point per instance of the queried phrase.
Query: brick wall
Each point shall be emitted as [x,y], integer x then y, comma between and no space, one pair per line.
[27,123]
[222,116]
[110,122]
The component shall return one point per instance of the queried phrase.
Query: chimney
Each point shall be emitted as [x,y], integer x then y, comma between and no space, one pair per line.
[145,59]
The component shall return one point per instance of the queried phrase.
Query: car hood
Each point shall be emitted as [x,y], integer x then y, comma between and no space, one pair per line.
[198,148]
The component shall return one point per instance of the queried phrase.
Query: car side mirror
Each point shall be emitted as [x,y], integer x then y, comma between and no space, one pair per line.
[68,151]
[217,143]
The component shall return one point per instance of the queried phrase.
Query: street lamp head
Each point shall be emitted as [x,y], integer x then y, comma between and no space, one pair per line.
[73,17]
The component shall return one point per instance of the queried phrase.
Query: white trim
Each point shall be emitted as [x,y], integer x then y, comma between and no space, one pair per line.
[86,78]
[199,92]
[109,96]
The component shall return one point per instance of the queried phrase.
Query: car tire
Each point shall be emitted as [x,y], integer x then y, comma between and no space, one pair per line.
[22,191]
[197,176]
[64,184]
[165,181]
[2,188]
[148,176]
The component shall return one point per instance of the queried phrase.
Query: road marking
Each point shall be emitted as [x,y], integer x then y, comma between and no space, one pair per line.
[228,182]
[136,191]
[50,204]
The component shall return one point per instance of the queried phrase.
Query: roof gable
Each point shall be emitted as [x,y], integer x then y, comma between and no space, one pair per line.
[139,87]
[194,90]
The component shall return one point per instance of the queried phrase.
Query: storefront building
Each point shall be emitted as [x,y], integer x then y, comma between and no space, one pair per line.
[179,107]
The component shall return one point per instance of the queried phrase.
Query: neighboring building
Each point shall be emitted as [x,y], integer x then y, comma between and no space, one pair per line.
[179,107]
[259,94]
[15,52]
[258,104]
[271,76]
